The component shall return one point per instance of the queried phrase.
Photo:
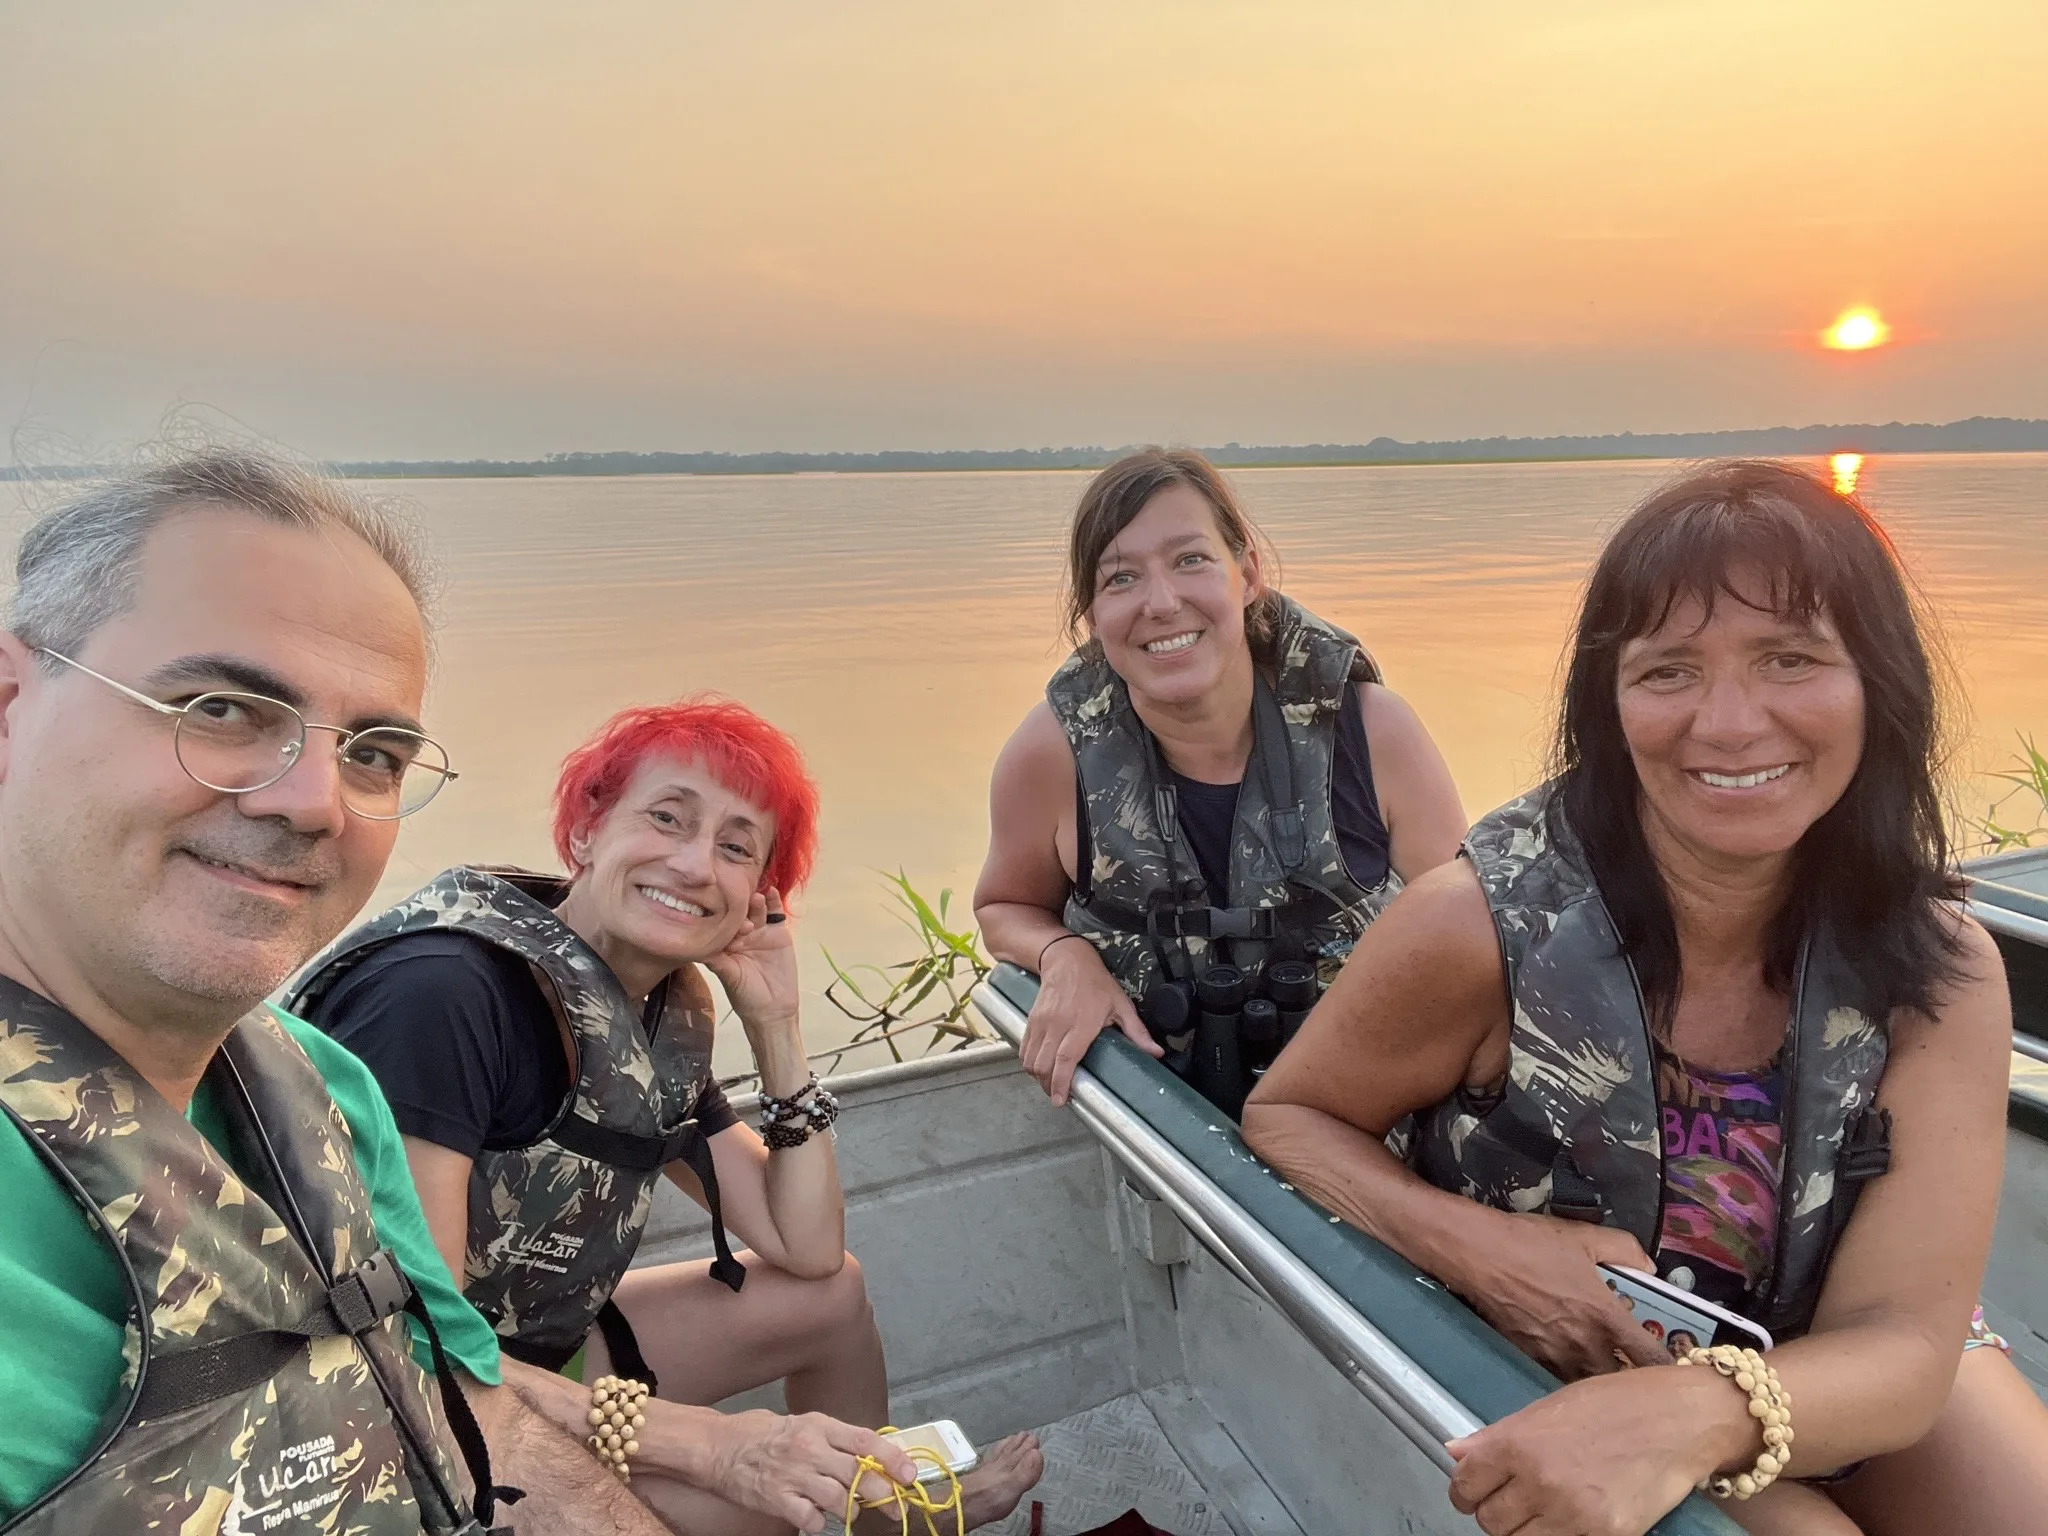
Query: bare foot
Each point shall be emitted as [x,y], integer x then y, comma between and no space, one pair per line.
[1006,1474]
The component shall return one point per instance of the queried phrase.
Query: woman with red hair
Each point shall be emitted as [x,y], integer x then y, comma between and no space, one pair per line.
[545,1044]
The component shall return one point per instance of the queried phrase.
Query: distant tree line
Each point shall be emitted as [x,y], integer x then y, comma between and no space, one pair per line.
[1978,434]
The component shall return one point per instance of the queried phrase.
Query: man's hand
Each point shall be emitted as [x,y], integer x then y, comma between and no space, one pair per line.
[796,1467]
[569,1492]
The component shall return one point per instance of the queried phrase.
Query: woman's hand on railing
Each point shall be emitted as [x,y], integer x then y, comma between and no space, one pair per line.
[1536,1282]
[1077,1000]
[1610,1456]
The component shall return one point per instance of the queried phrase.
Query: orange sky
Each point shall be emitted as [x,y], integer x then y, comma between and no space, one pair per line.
[512,227]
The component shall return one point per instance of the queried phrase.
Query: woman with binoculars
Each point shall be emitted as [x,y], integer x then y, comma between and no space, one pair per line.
[1217,794]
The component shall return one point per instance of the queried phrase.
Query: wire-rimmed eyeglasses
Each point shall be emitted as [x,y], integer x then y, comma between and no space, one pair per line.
[238,743]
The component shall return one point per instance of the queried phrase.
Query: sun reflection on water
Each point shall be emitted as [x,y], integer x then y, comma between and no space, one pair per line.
[1846,467]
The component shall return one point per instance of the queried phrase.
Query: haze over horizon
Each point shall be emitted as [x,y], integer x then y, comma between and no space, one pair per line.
[500,231]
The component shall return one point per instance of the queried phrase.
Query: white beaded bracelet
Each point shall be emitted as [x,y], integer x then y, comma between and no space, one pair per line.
[1769,1403]
[616,1420]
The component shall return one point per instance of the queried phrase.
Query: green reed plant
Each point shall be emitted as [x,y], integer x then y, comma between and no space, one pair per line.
[928,991]
[2026,824]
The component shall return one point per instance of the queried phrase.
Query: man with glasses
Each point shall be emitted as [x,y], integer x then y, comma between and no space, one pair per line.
[216,1272]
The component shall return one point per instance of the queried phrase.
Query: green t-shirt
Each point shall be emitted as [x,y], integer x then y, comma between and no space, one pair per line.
[62,1306]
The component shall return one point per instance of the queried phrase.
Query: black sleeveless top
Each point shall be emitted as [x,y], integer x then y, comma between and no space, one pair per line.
[1208,812]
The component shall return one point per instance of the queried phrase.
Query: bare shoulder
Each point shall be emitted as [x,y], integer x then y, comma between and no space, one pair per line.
[1419,1007]
[1431,956]
[1973,1020]
[1981,988]
[1442,917]
[1390,720]
[1038,748]
[1986,966]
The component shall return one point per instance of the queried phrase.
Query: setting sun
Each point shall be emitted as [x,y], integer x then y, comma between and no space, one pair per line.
[1856,329]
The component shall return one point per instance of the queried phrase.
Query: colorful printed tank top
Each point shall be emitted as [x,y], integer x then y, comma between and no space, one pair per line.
[1723,1145]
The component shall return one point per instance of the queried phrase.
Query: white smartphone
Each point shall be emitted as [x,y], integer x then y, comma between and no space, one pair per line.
[941,1439]
[1676,1318]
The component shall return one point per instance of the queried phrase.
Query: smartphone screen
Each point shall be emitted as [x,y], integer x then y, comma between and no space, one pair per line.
[940,1448]
[1671,1322]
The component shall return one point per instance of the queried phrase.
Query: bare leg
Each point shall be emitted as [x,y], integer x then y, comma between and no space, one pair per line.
[1788,1509]
[706,1343]
[693,1512]
[1982,1468]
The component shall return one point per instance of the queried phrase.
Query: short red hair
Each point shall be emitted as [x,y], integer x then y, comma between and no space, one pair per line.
[737,747]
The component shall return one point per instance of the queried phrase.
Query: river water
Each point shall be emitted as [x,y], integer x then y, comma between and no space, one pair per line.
[900,626]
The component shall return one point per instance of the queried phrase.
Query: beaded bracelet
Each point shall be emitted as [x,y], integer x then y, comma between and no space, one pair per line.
[792,1121]
[616,1421]
[773,1109]
[1769,1403]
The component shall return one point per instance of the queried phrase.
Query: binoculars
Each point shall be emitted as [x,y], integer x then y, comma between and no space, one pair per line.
[1220,1034]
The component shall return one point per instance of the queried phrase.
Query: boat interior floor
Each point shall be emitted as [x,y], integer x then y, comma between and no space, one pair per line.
[1135,1452]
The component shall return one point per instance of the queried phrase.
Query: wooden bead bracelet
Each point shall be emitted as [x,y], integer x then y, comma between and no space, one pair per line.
[616,1420]
[1769,1403]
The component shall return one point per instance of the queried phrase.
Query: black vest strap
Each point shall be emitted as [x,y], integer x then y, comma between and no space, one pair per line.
[623,1149]
[469,1435]
[649,1154]
[356,1303]
[1193,922]
[623,1345]
[725,1269]
[384,1287]
[1276,765]
[620,1342]
[1866,1154]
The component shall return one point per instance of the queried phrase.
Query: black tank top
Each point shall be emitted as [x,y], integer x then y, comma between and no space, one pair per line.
[1208,812]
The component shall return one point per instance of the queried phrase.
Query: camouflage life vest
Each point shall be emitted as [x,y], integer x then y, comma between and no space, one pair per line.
[1577,1131]
[553,1225]
[1141,899]
[268,1386]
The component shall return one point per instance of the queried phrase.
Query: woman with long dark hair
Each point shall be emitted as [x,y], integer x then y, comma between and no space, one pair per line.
[1216,785]
[1703,1005]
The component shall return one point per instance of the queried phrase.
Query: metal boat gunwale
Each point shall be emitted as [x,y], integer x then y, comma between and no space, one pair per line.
[1381,1343]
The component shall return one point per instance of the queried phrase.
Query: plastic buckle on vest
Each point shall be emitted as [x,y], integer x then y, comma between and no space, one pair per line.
[1573,1196]
[1290,837]
[369,1293]
[1866,1148]
[1240,922]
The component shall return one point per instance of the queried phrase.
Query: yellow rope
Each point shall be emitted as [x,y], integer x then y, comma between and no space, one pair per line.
[904,1497]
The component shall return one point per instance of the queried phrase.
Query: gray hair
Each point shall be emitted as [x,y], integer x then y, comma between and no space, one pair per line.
[77,567]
